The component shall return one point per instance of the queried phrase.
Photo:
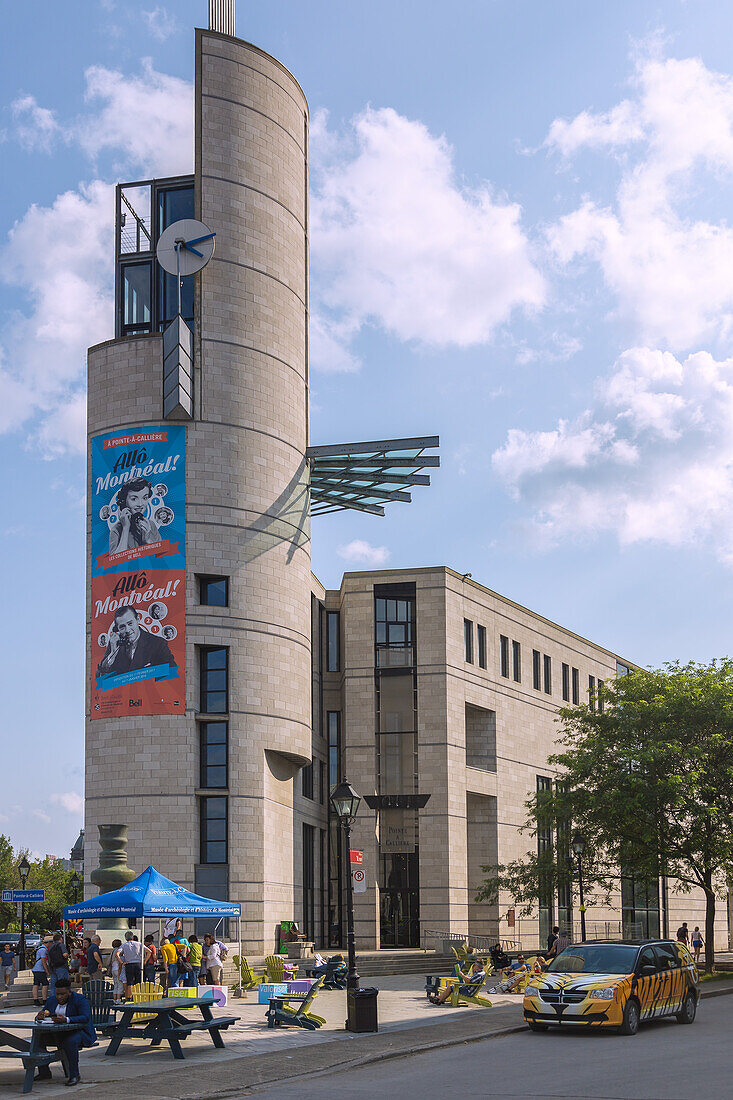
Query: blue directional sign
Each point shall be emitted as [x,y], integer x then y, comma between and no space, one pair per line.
[15,896]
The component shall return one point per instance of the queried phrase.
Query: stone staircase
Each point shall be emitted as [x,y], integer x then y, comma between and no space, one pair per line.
[21,993]
[370,964]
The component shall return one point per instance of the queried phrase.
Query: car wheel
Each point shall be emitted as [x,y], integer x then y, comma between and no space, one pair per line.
[689,1009]
[630,1022]
[537,1027]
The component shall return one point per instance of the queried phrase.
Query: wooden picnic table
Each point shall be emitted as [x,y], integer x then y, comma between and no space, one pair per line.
[168,1023]
[33,1054]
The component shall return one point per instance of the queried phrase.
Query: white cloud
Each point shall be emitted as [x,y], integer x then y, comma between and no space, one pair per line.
[70,801]
[363,553]
[145,119]
[161,23]
[399,242]
[42,816]
[672,274]
[652,459]
[36,128]
[61,256]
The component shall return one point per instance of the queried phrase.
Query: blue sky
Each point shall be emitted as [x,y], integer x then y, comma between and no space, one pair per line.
[519,242]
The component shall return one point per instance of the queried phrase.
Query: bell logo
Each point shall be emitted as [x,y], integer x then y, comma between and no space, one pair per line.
[136,702]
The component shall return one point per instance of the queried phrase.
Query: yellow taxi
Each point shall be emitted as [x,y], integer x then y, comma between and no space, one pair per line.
[617,984]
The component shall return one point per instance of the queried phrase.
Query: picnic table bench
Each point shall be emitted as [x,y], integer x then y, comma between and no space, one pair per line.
[167,1022]
[33,1054]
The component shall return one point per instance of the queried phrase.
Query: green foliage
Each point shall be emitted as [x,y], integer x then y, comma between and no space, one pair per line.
[648,782]
[43,875]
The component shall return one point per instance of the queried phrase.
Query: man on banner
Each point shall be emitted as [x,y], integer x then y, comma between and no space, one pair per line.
[130,647]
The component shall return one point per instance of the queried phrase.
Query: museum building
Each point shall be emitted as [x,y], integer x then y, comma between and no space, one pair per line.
[228,691]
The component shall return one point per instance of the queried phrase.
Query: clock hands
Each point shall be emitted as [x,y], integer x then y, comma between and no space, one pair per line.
[188,245]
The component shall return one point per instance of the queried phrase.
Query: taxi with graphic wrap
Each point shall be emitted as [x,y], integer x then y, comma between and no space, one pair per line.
[617,984]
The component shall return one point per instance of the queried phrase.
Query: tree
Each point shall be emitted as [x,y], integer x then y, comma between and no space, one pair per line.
[45,875]
[647,778]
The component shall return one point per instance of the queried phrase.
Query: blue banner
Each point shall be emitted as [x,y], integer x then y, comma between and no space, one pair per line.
[14,896]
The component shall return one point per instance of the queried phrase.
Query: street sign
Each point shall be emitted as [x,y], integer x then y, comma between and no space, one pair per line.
[356,856]
[358,878]
[14,896]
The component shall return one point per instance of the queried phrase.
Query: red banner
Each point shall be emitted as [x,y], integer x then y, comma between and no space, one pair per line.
[153,549]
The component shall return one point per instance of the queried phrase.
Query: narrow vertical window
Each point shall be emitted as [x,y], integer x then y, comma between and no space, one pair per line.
[536,670]
[468,640]
[307,780]
[322,786]
[517,662]
[214,680]
[333,641]
[592,692]
[504,655]
[481,631]
[576,687]
[600,696]
[566,682]
[213,830]
[213,754]
[334,747]
[548,675]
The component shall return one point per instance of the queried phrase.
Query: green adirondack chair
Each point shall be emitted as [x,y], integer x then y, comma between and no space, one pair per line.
[281,1012]
[249,978]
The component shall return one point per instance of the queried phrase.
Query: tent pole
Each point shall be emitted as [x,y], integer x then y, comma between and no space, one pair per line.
[142,951]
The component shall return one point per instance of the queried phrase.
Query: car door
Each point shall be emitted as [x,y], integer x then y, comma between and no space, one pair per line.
[675,982]
[648,983]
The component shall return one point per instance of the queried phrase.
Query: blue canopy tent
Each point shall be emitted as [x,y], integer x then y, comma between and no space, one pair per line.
[153,895]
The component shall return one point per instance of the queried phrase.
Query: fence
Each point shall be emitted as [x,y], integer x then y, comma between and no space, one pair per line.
[433,940]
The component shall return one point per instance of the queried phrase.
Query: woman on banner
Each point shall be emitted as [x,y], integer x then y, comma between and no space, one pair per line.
[132,528]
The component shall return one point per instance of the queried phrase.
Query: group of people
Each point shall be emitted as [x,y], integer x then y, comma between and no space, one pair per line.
[179,960]
[692,939]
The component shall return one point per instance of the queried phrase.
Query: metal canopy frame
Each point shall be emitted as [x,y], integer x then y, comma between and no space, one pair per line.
[364,476]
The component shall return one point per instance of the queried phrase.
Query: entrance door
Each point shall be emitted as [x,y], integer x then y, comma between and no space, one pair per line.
[399,901]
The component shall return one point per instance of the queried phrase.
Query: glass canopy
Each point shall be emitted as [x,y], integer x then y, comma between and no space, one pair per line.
[366,476]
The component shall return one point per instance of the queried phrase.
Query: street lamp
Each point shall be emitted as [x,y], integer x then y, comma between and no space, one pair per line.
[345,803]
[577,847]
[24,868]
[75,883]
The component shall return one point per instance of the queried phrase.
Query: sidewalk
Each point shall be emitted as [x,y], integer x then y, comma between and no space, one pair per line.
[255,1053]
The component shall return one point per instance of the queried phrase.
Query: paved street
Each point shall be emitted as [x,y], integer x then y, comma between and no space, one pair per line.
[663,1062]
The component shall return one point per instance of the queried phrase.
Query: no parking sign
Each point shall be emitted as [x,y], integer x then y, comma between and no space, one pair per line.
[358,879]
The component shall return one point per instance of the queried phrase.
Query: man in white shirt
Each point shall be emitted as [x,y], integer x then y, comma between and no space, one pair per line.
[133,955]
[213,959]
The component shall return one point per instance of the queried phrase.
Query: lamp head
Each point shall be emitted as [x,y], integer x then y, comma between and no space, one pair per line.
[577,845]
[345,801]
[24,867]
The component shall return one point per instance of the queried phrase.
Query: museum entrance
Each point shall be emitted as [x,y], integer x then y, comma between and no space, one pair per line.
[399,901]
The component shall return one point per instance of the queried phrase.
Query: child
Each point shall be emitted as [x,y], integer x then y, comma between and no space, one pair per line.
[116,970]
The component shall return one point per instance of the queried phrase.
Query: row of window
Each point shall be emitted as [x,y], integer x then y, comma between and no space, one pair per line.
[510,664]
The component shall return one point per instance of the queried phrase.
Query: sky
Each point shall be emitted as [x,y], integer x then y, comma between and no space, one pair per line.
[520,241]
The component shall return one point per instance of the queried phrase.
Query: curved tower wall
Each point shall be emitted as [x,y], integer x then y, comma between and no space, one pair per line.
[247,508]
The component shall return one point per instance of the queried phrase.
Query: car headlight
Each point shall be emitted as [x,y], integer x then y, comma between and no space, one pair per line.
[603,994]
[531,991]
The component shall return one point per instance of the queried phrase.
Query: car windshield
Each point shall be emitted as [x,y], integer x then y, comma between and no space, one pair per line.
[604,958]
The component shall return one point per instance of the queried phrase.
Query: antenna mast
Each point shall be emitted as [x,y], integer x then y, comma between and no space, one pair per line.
[221,16]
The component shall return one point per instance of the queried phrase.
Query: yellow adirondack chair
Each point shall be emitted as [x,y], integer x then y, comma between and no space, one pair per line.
[249,978]
[276,969]
[456,998]
[146,991]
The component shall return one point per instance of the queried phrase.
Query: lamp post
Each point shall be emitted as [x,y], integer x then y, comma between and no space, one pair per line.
[345,802]
[577,846]
[24,868]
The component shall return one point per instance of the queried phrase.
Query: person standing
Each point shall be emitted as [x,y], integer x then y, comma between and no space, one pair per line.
[133,955]
[65,1007]
[552,936]
[94,957]
[41,972]
[149,968]
[196,954]
[58,960]
[7,965]
[117,971]
[213,959]
[697,942]
[683,933]
[169,956]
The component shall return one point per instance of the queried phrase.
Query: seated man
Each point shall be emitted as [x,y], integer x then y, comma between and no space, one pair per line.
[66,1007]
[513,975]
[470,984]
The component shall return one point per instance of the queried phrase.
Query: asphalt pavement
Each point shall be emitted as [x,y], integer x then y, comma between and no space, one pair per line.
[664,1061]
